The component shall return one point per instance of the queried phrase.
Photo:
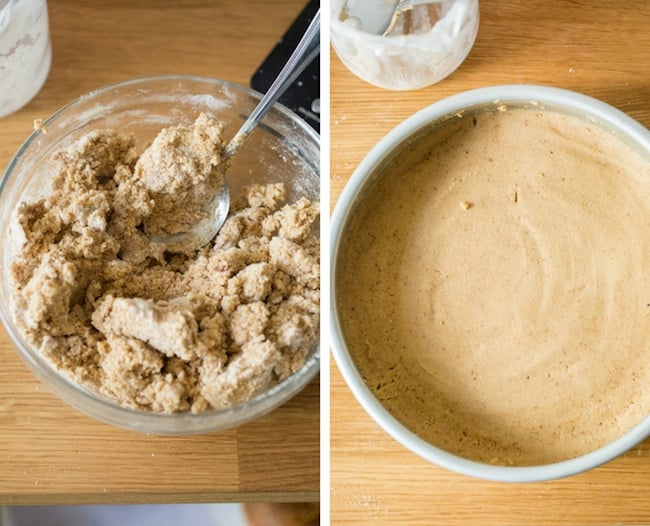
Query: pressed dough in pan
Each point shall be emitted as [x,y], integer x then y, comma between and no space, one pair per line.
[494,287]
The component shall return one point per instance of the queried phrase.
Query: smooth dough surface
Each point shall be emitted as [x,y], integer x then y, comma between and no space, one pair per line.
[494,287]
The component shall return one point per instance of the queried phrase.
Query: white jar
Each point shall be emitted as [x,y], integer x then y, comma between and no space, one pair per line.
[25,52]
[432,50]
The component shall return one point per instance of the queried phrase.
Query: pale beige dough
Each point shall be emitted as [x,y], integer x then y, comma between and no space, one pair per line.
[182,170]
[494,290]
[189,330]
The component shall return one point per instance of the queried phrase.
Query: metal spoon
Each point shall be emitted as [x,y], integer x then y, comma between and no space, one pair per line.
[378,19]
[400,8]
[307,50]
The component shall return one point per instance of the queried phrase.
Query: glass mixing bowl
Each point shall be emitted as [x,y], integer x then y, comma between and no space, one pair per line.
[282,149]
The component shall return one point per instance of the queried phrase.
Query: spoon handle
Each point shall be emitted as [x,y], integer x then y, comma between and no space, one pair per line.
[308,48]
[401,7]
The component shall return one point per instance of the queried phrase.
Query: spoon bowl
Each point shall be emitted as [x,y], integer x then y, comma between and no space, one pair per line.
[204,231]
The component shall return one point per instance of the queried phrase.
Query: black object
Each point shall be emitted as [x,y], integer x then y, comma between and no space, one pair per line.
[303,96]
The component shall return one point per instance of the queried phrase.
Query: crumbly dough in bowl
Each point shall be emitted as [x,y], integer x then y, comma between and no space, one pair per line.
[155,329]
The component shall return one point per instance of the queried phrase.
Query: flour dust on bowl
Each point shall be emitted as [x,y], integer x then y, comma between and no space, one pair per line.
[158,338]
[489,264]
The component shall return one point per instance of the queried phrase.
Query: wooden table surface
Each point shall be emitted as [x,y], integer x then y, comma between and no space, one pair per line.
[50,453]
[596,47]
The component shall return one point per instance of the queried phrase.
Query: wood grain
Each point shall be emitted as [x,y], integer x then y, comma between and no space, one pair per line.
[595,47]
[50,453]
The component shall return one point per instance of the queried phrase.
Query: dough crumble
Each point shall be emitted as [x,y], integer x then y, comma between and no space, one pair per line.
[157,328]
